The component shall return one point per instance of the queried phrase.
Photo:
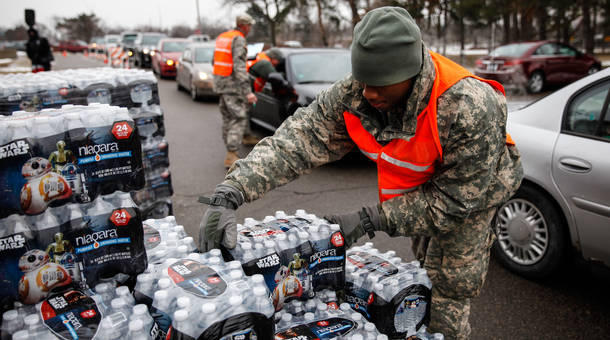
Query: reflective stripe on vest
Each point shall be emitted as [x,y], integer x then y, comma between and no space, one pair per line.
[403,165]
[223,55]
[259,83]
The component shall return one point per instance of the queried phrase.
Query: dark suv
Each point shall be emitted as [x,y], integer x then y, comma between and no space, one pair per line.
[144,47]
[535,64]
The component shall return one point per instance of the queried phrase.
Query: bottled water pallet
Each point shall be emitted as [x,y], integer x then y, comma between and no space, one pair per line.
[203,297]
[297,254]
[135,90]
[109,313]
[164,238]
[392,294]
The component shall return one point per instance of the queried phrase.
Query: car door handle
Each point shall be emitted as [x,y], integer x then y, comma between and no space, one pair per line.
[575,165]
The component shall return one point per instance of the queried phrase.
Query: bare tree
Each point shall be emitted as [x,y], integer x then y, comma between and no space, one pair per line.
[272,12]
[82,27]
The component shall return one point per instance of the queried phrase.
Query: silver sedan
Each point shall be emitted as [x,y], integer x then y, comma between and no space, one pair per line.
[564,201]
[194,70]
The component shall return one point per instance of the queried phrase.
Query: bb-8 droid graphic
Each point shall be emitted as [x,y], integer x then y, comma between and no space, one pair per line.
[40,276]
[42,186]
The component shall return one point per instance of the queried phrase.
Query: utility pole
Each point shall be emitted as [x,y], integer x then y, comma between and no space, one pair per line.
[198,17]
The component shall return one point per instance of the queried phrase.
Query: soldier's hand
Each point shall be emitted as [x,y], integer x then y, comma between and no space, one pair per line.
[355,224]
[251,98]
[218,225]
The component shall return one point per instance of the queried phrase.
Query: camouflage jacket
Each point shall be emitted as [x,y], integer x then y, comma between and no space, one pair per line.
[478,170]
[238,82]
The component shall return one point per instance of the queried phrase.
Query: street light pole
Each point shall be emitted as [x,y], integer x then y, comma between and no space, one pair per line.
[198,17]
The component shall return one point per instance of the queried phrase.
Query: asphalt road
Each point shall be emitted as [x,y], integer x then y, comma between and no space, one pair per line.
[571,305]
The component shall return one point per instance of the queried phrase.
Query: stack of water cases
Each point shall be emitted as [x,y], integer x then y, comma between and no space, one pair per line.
[135,90]
[297,255]
[164,238]
[322,318]
[110,313]
[392,294]
[199,296]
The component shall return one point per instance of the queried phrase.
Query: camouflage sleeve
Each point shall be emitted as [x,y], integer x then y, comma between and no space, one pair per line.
[240,55]
[313,136]
[473,155]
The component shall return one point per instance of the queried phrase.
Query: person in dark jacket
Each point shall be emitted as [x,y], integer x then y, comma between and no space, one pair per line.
[39,51]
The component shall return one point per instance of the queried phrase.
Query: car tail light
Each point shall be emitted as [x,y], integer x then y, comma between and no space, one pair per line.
[479,63]
[513,62]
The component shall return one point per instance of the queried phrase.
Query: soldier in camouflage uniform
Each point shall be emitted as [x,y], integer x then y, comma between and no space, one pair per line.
[449,215]
[235,92]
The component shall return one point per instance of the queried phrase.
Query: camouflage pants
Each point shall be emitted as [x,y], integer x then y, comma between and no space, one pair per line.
[234,111]
[457,264]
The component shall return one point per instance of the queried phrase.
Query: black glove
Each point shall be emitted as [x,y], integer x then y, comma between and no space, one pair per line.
[354,225]
[218,223]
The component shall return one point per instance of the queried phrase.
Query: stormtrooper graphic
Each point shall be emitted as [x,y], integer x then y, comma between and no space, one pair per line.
[42,186]
[40,276]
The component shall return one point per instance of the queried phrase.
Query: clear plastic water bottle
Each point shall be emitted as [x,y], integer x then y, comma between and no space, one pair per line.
[11,323]
[182,323]
[137,331]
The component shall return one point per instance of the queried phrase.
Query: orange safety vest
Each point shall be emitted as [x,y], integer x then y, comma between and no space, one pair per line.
[223,56]
[259,83]
[403,165]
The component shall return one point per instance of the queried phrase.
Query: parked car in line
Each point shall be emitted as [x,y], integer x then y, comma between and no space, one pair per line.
[564,200]
[534,65]
[166,55]
[198,37]
[307,71]
[75,46]
[144,45]
[127,42]
[96,45]
[194,72]
[111,41]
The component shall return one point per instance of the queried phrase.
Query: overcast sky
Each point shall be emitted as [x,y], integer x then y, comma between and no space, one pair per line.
[126,13]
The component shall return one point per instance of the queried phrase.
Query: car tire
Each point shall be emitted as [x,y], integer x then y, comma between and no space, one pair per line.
[531,234]
[593,69]
[194,94]
[535,83]
[178,86]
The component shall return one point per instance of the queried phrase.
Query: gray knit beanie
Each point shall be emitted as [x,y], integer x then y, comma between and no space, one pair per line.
[387,47]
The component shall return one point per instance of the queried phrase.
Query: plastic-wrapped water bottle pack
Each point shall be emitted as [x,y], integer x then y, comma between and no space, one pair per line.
[297,254]
[74,246]
[203,297]
[393,294]
[164,238]
[109,313]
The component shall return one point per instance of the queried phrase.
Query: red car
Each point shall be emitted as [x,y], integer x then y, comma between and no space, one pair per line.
[165,57]
[71,46]
[536,64]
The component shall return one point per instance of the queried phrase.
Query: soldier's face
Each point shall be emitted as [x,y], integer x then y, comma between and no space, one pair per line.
[383,98]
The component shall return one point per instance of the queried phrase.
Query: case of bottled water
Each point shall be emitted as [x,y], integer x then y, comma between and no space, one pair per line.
[67,155]
[108,313]
[297,254]
[393,294]
[203,297]
[322,318]
[164,238]
[75,245]
[37,91]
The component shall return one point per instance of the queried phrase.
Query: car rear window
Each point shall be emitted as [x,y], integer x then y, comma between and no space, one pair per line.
[204,54]
[174,46]
[151,39]
[512,50]
[326,67]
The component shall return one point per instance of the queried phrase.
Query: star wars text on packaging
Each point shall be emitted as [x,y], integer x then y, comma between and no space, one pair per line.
[163,239]
[202,297]
[110,313]
[388,292]
[75,245]
[69,155]
[319,318]
[298,255]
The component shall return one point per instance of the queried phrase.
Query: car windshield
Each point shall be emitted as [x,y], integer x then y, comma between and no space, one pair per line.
[326,67]
[512,50]
[129,38]
[151,39]
[174,46]
[112,40]
[204,54]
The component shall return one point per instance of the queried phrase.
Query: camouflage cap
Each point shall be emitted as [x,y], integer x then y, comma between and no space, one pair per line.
[387,47]
[244,19]
[275,53]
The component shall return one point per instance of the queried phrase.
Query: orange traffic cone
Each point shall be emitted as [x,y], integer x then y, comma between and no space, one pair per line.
[105,60]
[64,53]
[86,53]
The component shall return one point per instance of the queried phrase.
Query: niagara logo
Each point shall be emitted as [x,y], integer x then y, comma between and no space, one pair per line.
[98,149]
